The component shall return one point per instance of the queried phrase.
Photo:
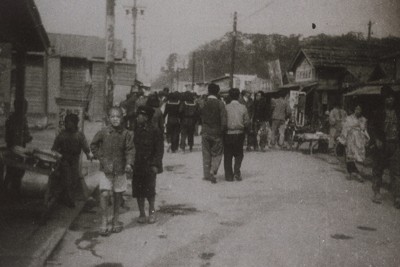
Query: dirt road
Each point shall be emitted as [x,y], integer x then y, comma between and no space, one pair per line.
[290,210]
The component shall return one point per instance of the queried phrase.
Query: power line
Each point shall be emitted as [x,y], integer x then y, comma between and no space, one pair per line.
[258,11]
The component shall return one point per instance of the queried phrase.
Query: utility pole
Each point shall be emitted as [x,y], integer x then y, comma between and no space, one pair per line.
[193,69]
[204,72]
[134,17]
[369,30]
[109,58]
[233,49]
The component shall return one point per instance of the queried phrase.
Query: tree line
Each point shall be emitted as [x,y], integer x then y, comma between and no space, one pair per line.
[254,51]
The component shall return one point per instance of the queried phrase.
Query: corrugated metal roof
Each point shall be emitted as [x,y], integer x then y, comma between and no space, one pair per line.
[80,46]
[338,57]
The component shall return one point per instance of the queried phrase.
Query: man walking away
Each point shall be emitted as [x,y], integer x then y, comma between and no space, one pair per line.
[385,131]
[237,122]
[213,116]
[173,120]
[189,111]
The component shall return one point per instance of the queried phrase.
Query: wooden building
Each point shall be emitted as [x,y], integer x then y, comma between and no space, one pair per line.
[386,72]
[326,73]
[73,69]
[21,31]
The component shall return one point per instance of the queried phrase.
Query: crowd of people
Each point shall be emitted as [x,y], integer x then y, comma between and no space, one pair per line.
[132,145]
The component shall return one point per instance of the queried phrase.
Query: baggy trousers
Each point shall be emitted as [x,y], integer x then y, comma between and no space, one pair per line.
[212,149]
[278,125]
[387,157]
[233,148]
[187,131]
[173,131]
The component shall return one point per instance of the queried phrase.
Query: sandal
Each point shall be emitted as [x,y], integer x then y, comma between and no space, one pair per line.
[117,228]
[104,231]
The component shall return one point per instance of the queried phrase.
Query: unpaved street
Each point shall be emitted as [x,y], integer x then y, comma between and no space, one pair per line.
[290,209]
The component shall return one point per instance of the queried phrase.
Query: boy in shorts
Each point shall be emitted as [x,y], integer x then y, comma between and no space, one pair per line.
[113,147]
[149,146]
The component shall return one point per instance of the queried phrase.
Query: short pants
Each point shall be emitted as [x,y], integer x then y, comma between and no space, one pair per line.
[117,184]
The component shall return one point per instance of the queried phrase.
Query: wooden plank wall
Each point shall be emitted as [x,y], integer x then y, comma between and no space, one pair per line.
[34,92]
[73,75]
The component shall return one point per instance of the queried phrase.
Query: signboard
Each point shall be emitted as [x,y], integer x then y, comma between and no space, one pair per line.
[297,102]
[70,106]
[304,72]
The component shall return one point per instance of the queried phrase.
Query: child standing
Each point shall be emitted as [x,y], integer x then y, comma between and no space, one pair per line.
[148,162]
[113,147]
[69,143]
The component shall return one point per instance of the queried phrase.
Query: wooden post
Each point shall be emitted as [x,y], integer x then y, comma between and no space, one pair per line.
[233,49]
[20,108]
[134,17]
[45,83]
[193,69]
[109,58]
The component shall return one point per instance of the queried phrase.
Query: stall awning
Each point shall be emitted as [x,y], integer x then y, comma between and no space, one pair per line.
[20,25]
[371,90]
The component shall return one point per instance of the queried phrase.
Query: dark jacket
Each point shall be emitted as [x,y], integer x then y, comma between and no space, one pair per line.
[172,110]
[213,117]
[261,110]
[70,144]
[114,149]
[189,111]
[378,124]
[149,147]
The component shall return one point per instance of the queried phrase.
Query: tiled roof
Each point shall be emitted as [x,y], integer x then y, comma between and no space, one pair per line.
[336,57]
[80,46]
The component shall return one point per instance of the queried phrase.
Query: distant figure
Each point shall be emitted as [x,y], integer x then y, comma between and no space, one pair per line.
[148,162]
[15,137]
[355,138]
[173,120]
[113,147]
[129,106]
[280,113]
[260,121]
[245,99]
[385,131]
[337,116]
[189,111]
[237,122]
[213,117]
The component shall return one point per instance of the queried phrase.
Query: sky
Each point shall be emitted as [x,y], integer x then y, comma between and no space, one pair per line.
[180,26]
